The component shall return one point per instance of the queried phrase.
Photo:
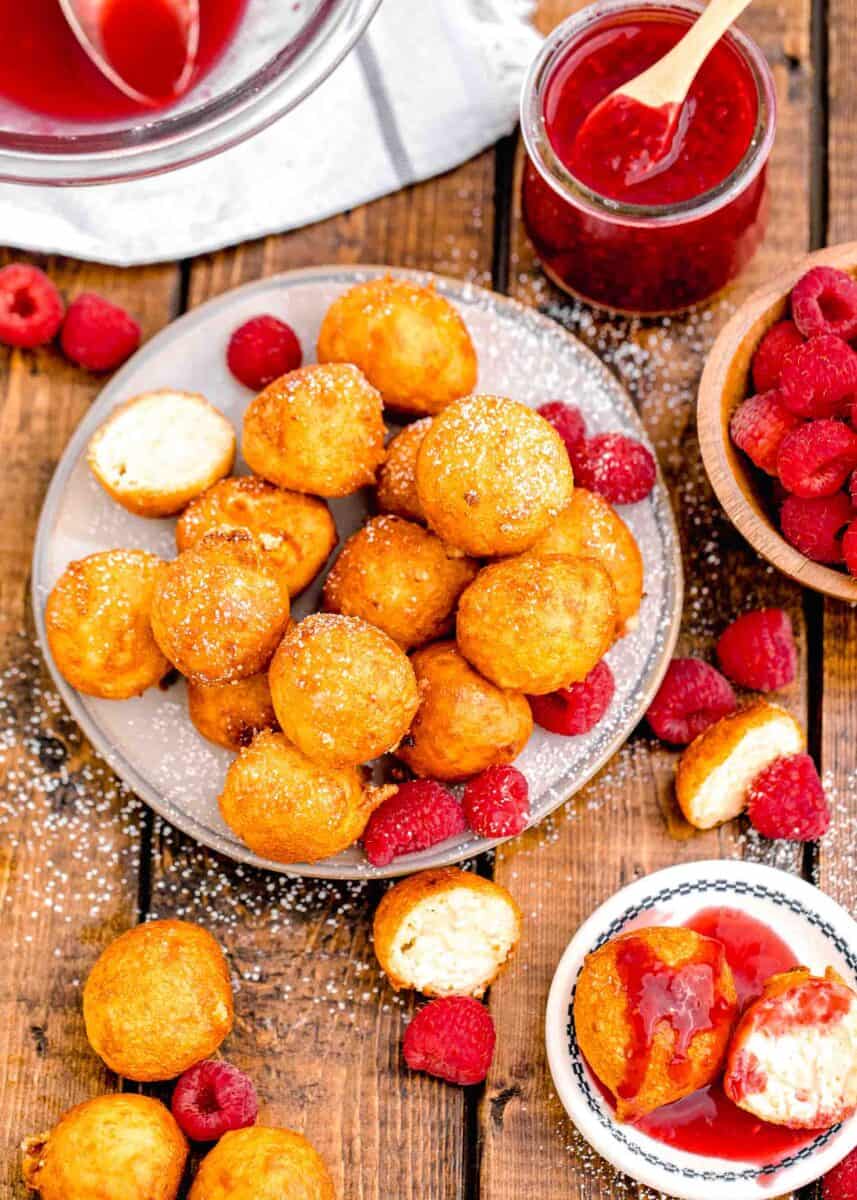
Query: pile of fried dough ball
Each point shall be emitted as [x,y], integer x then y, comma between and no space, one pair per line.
[485,577]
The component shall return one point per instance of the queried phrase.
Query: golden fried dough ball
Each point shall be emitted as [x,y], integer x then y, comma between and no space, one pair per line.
[591,528]
[492,475]
[296,531]
[446,932]
[343,691]
[638,1037]
[537,624]
[121,1147]
[399,577]
[316,430]
[231,714]
[289,809]
[397,479]
[98,624]
[262,1164]
[406,339]
[464,723]
[158,1000]
[219,609]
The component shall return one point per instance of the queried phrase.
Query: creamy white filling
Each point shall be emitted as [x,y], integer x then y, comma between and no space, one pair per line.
[722,795]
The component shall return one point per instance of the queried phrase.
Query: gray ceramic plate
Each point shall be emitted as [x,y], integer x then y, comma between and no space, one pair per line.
[150,742]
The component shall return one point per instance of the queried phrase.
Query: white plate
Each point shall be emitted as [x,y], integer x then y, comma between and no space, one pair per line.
[150,742]
[819,932]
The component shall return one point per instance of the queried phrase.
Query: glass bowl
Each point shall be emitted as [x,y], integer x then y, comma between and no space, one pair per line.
[283,50]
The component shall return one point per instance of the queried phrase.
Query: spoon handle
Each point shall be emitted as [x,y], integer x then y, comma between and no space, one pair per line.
[668,80]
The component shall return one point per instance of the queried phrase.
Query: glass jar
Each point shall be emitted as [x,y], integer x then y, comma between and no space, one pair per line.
[641,258]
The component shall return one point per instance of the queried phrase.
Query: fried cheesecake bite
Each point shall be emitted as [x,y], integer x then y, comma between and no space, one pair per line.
[399,577]
[98,624]
[409,342]
[219,609]
[492,475]
[318,430]
[591,528]
[446,932]
[464,723]
[653,1013]
[287,808]
[157,451]
[296,531]
[122,1146]
[231,714]
[397,479]
[158,1000]
[537,624]
[262,1163]
[793,1059]
[343,691]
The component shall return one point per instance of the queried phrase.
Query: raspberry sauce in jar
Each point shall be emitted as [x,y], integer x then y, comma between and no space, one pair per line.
[673,238]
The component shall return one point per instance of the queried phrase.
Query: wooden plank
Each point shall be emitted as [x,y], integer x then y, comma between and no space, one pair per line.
[317,1028]
[619,829]
[70,836]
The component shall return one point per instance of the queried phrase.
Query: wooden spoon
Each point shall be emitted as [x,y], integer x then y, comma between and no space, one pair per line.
[639,120]
[87,19]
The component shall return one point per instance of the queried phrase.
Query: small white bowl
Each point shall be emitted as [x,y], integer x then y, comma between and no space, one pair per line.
[819,932]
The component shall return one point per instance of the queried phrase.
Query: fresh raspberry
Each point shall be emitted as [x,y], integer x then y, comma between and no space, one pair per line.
[692,696]
[841,1182]
[815,526]
[212,1098]
[825,301]
[452,1038]
[819,378]
[771,353]
[579,708]
[419,814]
[567,420]
[497,802]
[261,350]
[758,650]
[852,488]
[787,800]
[817,458]
[619,468]
[849,548]
[98,335]
[31,308]
[759,425]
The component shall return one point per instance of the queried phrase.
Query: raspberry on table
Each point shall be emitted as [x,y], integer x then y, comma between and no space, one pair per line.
[771,353]
[817,458]
[692,696]
[824,300]
[840,1183]
[617,467]
[31,308]
[787,800]
[452,1038]
[261,350]
[497,802]
[212,1098]
[567,420]
[418,815]
[577,709]
[819,378]
[758,650]
[759,425]
[815,526]
[98,335]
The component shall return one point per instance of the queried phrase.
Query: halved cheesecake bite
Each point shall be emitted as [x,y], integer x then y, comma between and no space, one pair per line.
[446,932]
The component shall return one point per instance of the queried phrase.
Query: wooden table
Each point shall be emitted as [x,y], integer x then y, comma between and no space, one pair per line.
[317,1027]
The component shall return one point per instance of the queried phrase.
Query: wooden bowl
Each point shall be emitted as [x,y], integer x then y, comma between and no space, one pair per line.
[724,384]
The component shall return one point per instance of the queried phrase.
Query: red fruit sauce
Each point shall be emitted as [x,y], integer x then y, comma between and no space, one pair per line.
[44,70]
[706,1122]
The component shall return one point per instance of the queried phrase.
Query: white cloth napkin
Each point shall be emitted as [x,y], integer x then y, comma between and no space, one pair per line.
[430,84]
